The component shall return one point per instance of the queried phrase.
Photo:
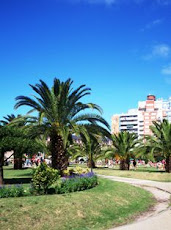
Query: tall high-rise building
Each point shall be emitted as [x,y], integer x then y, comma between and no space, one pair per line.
[140,119]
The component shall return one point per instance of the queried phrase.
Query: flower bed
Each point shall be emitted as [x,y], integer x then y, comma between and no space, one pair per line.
[76,183]
[45,182]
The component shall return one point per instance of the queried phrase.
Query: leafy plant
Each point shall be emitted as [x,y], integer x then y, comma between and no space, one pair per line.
[43,178]
[77,171]
[124,146]
[11,191]
[159,144]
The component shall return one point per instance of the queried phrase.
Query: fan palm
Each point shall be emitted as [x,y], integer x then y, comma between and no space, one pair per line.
[160,142]
[124,145]
[59,112]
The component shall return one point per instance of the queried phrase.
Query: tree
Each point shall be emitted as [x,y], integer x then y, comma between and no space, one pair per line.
[59,112]
[124,146]
[160,141]
[92,137]
[8,119]
[12,138]
[17,122]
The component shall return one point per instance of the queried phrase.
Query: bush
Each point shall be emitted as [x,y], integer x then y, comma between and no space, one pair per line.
[77,183]
[43,178]
[77,170]
[11,191]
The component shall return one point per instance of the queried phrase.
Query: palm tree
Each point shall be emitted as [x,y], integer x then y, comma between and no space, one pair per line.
[160,142]
[59,112]
[124,146]
[8,119]
[92,138]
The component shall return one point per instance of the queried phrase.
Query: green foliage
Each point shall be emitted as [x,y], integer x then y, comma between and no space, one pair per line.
[160,142]
[76,184]
[43,178]
[11,191]
[124,144]
[17,139]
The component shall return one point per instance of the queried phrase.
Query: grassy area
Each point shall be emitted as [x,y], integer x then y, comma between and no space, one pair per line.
[109,204]
[139,173]
[12,176]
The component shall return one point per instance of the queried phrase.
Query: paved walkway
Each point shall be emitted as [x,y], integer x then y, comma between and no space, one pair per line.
[160,217]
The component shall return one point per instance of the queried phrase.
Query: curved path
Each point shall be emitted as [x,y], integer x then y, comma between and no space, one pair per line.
[160,217]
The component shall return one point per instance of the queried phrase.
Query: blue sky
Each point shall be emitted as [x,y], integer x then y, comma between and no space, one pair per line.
[119,48]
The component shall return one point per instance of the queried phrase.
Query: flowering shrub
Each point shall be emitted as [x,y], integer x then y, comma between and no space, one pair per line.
[11,191]
[77,170]
[77,183]
[43,178]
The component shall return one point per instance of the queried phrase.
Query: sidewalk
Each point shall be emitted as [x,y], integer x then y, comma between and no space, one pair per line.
[160,219]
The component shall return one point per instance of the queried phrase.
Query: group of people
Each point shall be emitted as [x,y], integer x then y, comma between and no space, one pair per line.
[134,163]
[35,160]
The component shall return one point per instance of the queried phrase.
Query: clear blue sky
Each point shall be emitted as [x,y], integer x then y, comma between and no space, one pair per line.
[119,48]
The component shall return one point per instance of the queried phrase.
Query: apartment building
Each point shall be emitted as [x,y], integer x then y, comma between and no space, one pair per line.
[140,119]
[130,121]
[151,110]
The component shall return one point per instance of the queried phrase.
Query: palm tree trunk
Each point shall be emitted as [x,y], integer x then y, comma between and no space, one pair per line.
[1,170]
[59,154]
[168,164]
[128,163]
[123,165]
[91,164]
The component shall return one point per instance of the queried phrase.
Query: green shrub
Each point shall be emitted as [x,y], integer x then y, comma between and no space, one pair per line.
[11,191]
[43,178]
[78,183]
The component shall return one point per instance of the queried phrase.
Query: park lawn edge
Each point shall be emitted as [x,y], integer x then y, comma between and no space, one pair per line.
[82,210]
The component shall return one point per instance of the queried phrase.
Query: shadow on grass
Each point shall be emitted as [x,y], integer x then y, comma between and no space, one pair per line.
[17,181]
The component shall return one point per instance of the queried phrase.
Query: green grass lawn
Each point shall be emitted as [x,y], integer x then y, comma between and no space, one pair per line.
[109,204]
[139,173]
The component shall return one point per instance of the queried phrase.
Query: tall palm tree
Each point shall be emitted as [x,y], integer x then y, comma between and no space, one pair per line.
[124,146]
[160,142]
[60,111]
